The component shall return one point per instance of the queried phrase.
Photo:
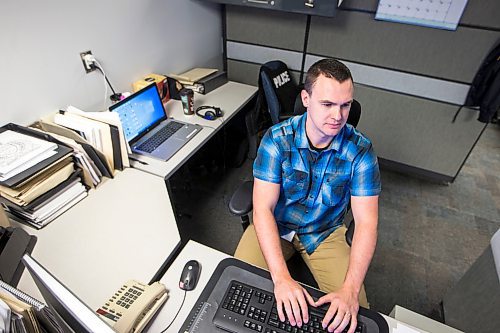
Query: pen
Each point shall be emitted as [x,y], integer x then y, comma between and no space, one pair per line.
[136,160]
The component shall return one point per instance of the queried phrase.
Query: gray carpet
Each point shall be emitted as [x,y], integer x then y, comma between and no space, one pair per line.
[429,234]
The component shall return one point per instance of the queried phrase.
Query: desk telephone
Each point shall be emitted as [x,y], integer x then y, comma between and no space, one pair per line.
[133,305]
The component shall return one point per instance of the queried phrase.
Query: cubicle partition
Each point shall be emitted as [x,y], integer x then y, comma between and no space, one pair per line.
[410,79]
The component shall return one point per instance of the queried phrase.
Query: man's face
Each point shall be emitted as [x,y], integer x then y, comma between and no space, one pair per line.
[327,107]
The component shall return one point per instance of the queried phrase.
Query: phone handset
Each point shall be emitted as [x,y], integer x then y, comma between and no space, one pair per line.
[133,305]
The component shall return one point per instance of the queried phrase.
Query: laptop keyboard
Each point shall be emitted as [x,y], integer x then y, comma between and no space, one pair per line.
[249,309]
[159,137]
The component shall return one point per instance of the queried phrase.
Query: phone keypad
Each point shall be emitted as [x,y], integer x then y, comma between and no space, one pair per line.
[128,296]
[114,308]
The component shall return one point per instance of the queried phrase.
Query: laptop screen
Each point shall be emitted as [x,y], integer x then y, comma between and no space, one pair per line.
[140,111]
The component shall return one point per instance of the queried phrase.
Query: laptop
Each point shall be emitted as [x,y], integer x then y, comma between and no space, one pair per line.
[147,127]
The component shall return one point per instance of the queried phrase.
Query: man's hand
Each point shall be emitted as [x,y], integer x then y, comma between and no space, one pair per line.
[291,297]
[344,306]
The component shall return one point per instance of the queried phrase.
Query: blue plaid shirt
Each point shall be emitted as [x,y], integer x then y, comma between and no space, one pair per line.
[315,186]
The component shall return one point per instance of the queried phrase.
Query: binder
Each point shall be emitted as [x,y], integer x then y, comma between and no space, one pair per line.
[40,184]
[28,151]
[97,157]
[14,243]
[49,205]
[101,132]
[91,177]
[112,119]
[43,314]
[115,140]
[192,76]
[19,179]
[44,198]
[54,204]
[211,82]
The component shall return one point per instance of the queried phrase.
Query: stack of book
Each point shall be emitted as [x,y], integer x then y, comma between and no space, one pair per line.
[38,178]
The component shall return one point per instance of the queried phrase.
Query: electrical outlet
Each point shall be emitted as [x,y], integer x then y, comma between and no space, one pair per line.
[88,65]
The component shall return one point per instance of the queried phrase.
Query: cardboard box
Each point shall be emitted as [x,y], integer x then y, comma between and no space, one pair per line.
[161,83]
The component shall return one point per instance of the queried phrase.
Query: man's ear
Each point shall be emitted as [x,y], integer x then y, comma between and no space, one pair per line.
[304,95]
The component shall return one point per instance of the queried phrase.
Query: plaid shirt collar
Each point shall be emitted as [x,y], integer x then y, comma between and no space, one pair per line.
[301,141]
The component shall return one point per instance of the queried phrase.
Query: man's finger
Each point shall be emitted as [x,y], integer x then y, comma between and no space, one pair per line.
[303,308]
[339,316]
[332,310]
[345,322]
[354,323]
[296,307]
[322,300]
[309,298]
[289,312]
[279,307]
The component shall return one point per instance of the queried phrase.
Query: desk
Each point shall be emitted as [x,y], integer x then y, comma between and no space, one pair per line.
[230,97]
[209,259]
[125,229]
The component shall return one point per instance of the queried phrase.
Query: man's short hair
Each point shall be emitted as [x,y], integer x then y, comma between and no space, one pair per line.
[330,68]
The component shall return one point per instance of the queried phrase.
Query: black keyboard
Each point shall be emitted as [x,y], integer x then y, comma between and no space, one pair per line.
[248,309]
[159,137]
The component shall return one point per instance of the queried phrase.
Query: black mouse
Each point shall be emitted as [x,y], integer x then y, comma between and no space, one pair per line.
[190,275]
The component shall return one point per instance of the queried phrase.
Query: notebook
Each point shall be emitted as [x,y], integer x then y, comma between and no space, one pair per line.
[32,308]
[147,127]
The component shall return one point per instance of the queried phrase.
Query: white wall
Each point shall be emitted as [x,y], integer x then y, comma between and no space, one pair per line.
[40,43]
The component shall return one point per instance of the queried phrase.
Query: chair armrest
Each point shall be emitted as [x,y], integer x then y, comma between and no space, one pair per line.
[241,201]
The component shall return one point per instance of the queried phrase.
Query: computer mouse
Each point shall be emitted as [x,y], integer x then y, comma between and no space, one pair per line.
[190,275]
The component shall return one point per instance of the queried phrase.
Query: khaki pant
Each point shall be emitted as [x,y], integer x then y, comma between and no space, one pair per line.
[328,263]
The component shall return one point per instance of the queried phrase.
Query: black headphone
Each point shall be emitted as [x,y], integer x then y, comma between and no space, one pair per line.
[209,112]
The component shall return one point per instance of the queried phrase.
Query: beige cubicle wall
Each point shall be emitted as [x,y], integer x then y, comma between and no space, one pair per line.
[409,79]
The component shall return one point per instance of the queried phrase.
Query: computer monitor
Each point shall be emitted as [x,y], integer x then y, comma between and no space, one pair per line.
[73,313]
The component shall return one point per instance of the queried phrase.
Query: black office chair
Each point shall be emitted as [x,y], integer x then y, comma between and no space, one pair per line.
[275,101]
[278,86]
[241,201]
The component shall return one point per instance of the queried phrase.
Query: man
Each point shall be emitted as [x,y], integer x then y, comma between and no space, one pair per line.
[307,168]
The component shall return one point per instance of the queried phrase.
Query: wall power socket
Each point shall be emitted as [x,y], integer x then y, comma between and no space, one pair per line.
[88,61]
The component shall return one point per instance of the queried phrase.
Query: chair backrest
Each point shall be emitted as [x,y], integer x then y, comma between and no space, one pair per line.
[354,113]
[279,89]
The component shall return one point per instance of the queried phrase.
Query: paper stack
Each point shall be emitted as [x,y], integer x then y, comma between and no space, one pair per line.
[38,179]
[18,152]
[192,76]
[96,137]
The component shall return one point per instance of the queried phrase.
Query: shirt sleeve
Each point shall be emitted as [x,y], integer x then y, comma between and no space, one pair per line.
[267,165]
[366,175]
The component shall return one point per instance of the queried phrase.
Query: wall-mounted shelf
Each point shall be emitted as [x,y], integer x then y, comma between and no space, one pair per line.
[310,7]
